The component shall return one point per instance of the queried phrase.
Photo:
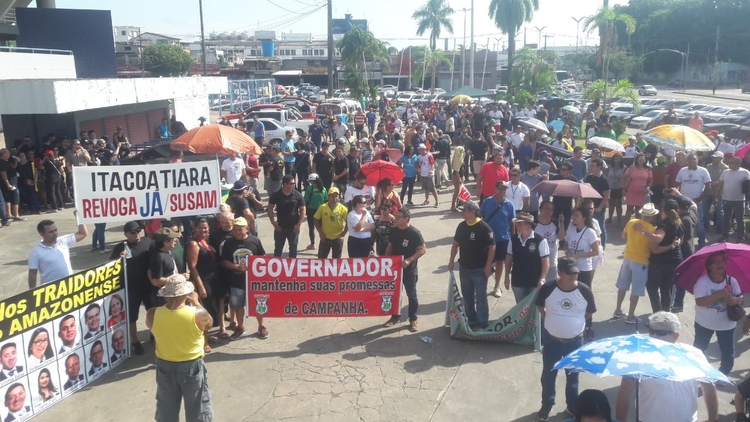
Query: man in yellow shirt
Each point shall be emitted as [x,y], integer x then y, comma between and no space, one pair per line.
[180,372]
[330,221]
[634,269]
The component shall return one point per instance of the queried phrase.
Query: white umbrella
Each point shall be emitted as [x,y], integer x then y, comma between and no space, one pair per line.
[606,143]
[533,124]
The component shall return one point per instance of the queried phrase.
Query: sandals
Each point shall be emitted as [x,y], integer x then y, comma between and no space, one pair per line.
[237,334]
[206,349]
[619,315]
[223,334]
[426,202]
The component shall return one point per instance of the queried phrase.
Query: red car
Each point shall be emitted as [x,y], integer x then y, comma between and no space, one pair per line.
[245,113]
[303,105]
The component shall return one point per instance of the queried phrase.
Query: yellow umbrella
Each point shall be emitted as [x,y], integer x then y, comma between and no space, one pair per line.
[679,137]
[462,99]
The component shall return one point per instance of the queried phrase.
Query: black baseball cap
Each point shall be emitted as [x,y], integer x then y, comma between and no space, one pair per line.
[567,265]
[131,226]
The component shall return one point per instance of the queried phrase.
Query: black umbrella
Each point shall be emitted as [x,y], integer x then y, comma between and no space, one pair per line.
[557,103]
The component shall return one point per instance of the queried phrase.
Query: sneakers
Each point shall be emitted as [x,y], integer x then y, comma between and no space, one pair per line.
[619,315]
[137,348]
[496,292]
[633,320]
[588,334]
[676,309]
[263,332]
[413,326]
[393,321]
[543,414]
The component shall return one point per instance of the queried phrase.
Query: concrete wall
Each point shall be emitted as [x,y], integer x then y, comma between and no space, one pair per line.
[188,110]
[99,113]
[36,66]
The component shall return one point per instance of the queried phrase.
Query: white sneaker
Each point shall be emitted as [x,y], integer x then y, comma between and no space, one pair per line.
[496,292]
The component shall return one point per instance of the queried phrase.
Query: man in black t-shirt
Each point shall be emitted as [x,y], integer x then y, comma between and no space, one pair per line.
[290,209]
[135,249]
[478,151]
[161,263]
[563,204]
[9,185]
[565,304]
[323,165]
[405,240]
[475,239]
[341,171]
[355,164]
[276,172]
[239,204]
[236,254]
[264,161]
[599,182]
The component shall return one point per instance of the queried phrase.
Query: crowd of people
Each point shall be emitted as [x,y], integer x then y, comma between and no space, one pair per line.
[533,243]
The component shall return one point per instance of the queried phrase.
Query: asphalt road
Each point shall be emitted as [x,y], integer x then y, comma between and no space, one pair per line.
[723,97]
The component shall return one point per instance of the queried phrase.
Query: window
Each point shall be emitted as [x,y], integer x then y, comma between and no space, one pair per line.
[162,41]
[269,126]
[123,32]
[128,48]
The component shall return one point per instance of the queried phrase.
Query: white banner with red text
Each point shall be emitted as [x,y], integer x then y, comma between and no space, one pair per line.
[105,194]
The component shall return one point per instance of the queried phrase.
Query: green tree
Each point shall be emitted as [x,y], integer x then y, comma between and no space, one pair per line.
[621,63]
[431,61]
[599,90]
[434,16]
[359,47]
[532,71]
[508,16]
[606,20]
[166,60]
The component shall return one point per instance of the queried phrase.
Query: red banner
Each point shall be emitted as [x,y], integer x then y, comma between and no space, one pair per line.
[303,288]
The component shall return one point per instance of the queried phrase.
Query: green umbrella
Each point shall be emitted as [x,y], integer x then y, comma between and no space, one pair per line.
[571,109]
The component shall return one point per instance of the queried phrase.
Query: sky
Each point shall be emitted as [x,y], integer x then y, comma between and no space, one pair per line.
[389,20]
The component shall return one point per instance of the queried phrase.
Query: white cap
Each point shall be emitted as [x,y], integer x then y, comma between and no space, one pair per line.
[422,146]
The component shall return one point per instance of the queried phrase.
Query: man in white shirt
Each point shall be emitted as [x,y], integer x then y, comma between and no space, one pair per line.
[359,187]
[630,149]
[426,163]
[51,256]
[730,190]
[529,111]
[724,145]
[694,182]
[663,400]
[517,192]
[232,168]
[517,136]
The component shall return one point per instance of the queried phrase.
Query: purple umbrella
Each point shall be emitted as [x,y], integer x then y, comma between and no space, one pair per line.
[738,265]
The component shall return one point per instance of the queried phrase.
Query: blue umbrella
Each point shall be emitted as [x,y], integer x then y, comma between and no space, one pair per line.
[639,356]
[556,124]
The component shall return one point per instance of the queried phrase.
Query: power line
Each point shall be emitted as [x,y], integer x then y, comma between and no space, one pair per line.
[287,10]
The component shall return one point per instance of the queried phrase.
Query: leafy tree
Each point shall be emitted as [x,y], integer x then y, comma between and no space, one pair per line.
[606,19]
[509,16]
[598,90]
[166,60]
[430,63]
[533,71]
[434,16]
[358,47]
[620,63]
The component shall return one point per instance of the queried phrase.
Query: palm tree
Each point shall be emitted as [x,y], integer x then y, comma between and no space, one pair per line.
[623,88]
[435,15]
[509,15]
[606,19]
[432,61]
[359,46]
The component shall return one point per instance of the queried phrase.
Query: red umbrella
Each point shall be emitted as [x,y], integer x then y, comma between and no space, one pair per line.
[378,170]
[566,188]
[215,139]
[738,265]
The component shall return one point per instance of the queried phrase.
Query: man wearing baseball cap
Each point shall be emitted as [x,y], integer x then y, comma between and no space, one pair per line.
[527,258]
[565,304]
[330,221]
[178,331]
[426,165]
[161,263]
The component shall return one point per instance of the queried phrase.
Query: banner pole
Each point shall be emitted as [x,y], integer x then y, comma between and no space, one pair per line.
[451,280]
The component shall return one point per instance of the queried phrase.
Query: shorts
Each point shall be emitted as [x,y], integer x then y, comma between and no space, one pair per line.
[744,389]
[615,194]
[11,197]
[501,250]
[237,297]
[135,298]
[428,184]
[632,273]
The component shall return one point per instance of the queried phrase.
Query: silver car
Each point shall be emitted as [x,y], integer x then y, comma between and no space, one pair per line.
[647,90]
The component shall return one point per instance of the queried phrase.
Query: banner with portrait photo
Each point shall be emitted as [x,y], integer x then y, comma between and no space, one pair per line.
[107,194]
[303,288]
[520,325]
[59,337]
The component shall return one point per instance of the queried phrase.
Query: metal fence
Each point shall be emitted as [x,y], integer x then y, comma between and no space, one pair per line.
[244,93]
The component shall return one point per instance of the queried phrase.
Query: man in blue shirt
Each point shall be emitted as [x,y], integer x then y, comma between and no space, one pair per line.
[371,115]
[498,212]
[164,129]
[316,131]
[258,129]
[287,150]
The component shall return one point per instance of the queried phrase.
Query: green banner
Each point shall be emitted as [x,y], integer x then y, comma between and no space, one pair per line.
[520,325]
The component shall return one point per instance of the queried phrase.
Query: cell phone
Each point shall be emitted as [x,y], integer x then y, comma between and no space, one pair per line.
[667,191]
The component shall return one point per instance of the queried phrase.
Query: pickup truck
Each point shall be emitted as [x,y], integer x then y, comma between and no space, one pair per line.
[286,117]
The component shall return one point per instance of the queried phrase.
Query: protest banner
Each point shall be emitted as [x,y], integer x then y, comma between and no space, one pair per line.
[520,325]
[123,193]
[351,287]
[61,336]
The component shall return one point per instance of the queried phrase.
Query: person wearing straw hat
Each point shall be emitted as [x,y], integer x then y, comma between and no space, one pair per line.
[634,269]
[178,331]
[527,258]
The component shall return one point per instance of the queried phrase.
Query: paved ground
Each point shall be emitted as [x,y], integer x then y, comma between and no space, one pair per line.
[350,369]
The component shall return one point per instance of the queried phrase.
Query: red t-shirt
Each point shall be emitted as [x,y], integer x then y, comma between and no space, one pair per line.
[252,162]
[672,171]
[491,174]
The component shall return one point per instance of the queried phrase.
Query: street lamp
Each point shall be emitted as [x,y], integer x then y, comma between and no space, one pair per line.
[578,21]
[539,35]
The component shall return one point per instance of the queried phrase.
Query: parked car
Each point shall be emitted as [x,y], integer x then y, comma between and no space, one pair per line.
[161,154]
[690,109]
[676,83]
[716,115]
[654,101]
[642,122]
[738,119]
[405,97]
[275,131]
[745,89]
[619,111]
[303,105]
[719,127]
[647,90]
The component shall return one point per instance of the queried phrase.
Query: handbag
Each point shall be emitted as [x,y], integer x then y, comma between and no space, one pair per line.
[734,312]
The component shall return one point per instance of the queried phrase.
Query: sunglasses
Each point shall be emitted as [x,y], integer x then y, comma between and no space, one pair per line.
[659,333]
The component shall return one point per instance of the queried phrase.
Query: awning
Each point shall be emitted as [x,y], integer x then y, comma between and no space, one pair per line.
[287,73]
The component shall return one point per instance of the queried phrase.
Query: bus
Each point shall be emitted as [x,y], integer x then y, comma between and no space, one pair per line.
[563,76]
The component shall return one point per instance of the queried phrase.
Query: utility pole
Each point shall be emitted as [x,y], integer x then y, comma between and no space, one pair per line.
[471,52]
[484,69]
[524,36]
[545,40]
[716,49]
[463,54]
[453,63]
[330,48]
[539,35]
[687,68]
[203,39]
[578,22]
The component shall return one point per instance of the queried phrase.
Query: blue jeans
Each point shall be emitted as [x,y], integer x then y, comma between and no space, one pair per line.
[726,345]
[553,351]
[3,211]
[98,236]
[410,286]
[474,291]
[707,202]
[282,236]
[31,198]
[700,230]
[521,292]
[600,217]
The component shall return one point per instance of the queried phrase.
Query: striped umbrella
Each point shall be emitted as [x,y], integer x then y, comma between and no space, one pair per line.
[679,137]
